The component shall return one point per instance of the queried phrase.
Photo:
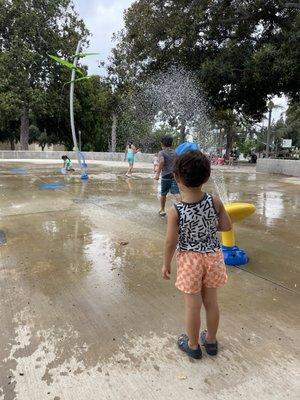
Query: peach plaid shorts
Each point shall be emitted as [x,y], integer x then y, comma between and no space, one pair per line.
[196,270]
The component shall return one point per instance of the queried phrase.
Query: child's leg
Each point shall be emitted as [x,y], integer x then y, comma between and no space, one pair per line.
[130,166]
[210,302]
[193,304]
[163,202]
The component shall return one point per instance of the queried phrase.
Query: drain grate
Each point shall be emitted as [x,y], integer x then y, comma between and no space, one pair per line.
[21,171]
[89,200]
[2,237]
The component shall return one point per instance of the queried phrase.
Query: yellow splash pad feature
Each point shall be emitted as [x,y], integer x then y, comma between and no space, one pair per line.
[237,212]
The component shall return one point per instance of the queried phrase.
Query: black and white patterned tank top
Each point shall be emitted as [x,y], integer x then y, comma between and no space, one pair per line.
[198,226]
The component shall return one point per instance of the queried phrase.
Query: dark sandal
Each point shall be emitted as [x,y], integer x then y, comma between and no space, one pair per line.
[211,348]
[183,344]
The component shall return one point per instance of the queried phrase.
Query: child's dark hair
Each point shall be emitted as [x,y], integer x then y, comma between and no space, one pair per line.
[193,168]
[167,141]
[130,143]
[65,157]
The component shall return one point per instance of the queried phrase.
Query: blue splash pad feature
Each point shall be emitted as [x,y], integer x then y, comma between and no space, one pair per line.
[234,256]
[46,186]
[84,177]
[18,171]
[186,146]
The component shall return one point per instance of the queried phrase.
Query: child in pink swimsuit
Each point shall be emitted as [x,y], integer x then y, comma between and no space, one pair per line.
[192,230]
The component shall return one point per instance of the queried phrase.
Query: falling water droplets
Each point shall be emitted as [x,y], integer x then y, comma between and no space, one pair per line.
[174,97]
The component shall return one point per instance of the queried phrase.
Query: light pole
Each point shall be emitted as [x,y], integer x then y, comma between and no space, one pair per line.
[270,107]
[79,134]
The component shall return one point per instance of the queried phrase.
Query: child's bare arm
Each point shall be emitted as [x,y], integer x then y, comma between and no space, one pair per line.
[159,168]
[171,242]
[224,219]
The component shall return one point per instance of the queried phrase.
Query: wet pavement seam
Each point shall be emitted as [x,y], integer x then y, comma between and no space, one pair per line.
[38,212]
[267,279]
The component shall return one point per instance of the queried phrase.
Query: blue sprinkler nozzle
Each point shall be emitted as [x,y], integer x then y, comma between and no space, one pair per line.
[84,176]
[234,256]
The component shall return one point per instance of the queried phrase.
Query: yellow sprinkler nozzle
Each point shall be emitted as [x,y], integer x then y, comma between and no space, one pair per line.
[239,211]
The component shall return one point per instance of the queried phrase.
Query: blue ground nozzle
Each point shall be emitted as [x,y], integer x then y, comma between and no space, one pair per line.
[234,256]
[83,165]
[54,185]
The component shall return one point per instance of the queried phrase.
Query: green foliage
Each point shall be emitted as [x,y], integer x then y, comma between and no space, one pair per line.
[159,133]
[293,123]
[93,113]
[66,64]
[242,52]
[131,127]
[83,78]
[29,31]
[245,146]
[290,128]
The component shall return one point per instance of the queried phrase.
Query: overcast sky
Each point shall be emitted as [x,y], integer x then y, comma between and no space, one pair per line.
[103,18]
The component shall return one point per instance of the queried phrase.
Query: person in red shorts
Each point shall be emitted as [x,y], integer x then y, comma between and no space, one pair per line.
[192,229]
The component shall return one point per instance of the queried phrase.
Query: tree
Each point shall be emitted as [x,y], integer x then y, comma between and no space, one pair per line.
[93,113]
[241,52]
[42,138]
[288,128]
[28,31]
[293,123]
[172,97]
[133,127]
[9,119]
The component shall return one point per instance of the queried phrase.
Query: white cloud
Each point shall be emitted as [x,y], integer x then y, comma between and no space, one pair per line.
[103,18]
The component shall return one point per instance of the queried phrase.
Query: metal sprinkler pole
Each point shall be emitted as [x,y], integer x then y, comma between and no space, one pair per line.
[270,107]
[72,103]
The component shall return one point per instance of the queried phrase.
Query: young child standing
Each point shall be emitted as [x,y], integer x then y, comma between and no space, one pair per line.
[166,158]
[192,229]
[130,152]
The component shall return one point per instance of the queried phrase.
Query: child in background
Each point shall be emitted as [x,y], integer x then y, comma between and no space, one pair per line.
[166,158]
[192,229]
[155,162]
[67,163]
[130,152]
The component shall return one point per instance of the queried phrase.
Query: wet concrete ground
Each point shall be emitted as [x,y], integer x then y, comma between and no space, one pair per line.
[86,316]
